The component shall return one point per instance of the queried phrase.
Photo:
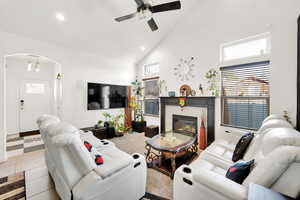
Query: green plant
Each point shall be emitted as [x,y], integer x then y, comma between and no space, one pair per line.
[137,88]
[116,121]
[286,116]
[213,79]
[107,116]
[135,102]
[99,123]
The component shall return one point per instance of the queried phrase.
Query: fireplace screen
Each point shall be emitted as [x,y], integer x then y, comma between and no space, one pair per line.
[185,124]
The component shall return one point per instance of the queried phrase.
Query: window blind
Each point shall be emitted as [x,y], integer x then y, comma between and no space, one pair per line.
[245,94]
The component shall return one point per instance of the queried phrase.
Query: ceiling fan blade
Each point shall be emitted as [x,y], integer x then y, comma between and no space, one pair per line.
[126,17]
[166,7]
[152,24]
[139,2]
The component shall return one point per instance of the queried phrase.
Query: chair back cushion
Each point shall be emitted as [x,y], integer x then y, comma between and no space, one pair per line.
[255,145]
[273,116]
[71,159]
[279,170]
[277,162]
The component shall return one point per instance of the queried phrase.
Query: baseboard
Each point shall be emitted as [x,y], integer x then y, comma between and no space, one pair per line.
[29,133]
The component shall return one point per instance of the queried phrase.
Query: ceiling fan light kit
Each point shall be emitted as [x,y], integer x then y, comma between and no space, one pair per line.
[145,10]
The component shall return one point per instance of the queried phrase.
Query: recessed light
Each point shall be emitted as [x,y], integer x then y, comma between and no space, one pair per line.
[60,17]
[143,48]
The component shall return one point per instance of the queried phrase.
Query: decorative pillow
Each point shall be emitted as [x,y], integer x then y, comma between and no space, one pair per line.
[94,153]
[242,146]
[239,171]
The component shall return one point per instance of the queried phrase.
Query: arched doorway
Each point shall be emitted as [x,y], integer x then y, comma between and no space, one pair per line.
[32,87]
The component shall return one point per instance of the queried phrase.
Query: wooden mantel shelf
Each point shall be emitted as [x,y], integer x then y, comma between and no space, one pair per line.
[189,97]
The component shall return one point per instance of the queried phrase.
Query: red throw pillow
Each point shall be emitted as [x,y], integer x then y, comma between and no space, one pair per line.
[99,160]
[88,146]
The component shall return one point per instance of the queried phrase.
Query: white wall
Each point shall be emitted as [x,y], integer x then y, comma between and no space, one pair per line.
[214,22]
[77,68]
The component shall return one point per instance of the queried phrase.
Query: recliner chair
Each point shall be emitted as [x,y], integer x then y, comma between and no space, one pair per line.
[75,174]
[276,152]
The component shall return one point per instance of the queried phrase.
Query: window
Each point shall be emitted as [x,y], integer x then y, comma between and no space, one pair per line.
[151,91]
[151,70]
[151,102]
[251,47]
[35,88]
[245,95]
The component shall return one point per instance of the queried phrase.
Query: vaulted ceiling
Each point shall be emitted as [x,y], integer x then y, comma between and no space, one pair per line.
[89,25]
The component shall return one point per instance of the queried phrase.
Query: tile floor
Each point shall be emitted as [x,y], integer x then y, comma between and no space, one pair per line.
[16,145]
[39,185]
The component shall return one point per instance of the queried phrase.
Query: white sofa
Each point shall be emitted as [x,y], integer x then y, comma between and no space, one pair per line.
[75,174]
[276,150]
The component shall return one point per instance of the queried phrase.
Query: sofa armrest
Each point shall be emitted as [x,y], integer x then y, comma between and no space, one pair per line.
[220,184]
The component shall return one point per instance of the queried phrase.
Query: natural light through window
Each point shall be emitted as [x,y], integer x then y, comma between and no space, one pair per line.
[151,70]
[35,88]
[251,47]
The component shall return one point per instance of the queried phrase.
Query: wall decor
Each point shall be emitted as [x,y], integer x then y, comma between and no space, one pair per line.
[201,89]
[185,70]
[185,90]
[162,86]
[212,77]
[193,93]
[182,102]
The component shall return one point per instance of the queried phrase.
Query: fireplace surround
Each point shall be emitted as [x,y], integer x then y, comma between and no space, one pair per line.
[197,102]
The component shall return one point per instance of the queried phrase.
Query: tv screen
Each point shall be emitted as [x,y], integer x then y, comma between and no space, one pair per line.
[105,96]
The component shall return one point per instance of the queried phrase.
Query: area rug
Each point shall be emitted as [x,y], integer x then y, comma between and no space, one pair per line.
[13,187]
[159,186]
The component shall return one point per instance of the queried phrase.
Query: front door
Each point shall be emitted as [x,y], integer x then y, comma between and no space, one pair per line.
[35,100]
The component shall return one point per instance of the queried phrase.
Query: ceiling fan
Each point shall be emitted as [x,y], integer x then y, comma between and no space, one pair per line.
[145,10]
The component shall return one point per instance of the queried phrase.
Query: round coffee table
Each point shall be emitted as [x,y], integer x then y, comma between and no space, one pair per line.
[168,151]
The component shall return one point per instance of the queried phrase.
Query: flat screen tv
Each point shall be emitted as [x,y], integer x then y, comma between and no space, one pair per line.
[106,96]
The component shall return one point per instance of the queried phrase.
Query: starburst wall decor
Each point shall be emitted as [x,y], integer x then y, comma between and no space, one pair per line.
[185,70]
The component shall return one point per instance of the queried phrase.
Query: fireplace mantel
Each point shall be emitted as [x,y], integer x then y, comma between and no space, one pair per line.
[207,102]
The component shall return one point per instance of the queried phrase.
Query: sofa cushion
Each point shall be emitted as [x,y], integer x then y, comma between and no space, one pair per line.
[211,163]
[115,160]
[279,137]
[220,151]
[97,143]
[242,146]
[239,171]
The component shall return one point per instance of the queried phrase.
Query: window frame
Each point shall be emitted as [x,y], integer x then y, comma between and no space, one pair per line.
[151,75]
[151,98]
[222,97]
[246,59]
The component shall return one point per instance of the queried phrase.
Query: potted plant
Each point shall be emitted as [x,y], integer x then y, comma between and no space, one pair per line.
[138,125]
[213,79]
[109,125]
[118,123]
[99,124]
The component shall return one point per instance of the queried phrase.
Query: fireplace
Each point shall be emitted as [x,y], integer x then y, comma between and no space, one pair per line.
[185,124]
[193,104]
